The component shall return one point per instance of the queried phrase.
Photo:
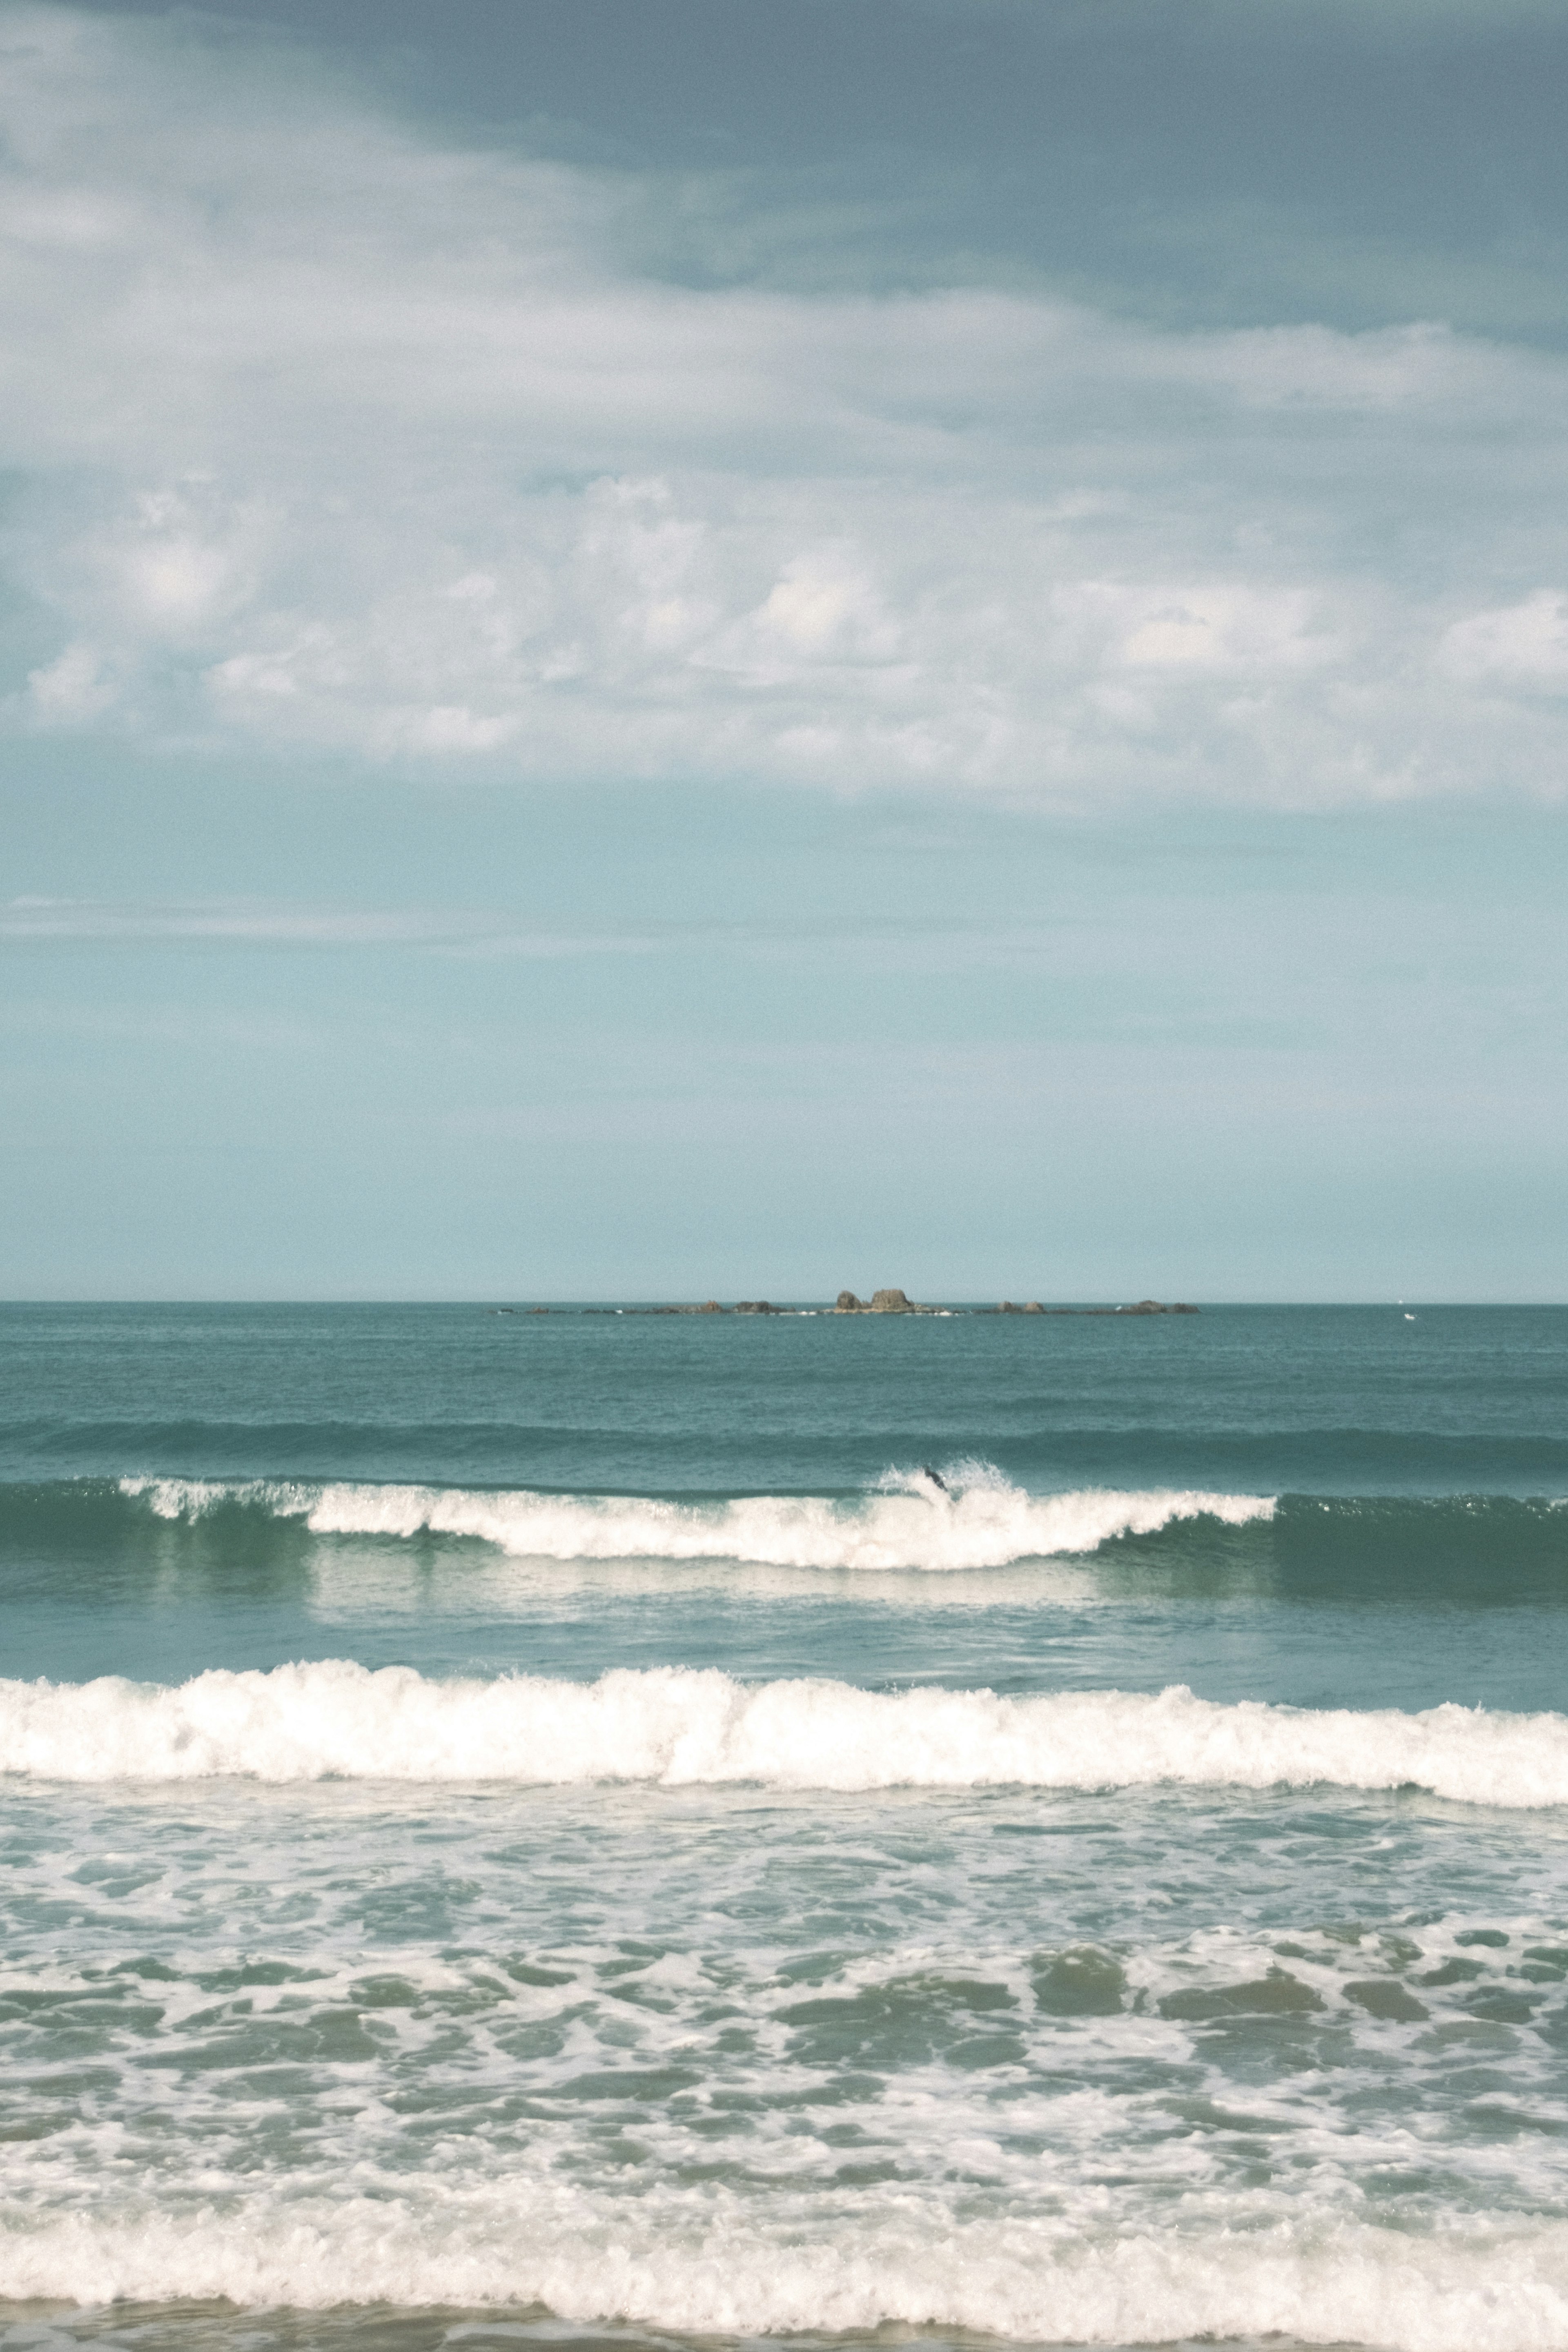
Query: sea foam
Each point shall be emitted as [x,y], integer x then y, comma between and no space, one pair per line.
[677,1726]
[978,1521]
[699,2265]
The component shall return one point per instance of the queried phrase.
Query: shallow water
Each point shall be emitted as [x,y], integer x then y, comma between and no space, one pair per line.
[556,1827]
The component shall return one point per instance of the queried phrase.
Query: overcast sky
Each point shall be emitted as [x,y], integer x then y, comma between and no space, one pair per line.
[749,644]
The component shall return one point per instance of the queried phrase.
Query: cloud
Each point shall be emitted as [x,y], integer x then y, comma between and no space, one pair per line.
[34,919]
[328,436]
[1525,644]
[35,922]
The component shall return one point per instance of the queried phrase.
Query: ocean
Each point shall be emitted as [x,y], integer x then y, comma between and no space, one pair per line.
[558,1829]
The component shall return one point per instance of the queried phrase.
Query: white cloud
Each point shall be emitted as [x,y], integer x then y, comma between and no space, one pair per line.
[38,921]
[72,689]
[331,436]
[1525,643]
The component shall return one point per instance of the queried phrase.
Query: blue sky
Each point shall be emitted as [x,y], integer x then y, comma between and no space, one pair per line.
[737,647]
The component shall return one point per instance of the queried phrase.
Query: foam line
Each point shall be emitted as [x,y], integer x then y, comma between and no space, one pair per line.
[684,2264]
[910,1523]
[676,1726]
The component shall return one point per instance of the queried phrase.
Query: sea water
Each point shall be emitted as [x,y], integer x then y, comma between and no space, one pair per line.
[527,1828]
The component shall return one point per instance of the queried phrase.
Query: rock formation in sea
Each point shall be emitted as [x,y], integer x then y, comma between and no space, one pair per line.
[881,1302]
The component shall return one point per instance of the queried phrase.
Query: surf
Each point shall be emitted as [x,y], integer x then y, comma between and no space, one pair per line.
[975,1519]
[677,1727]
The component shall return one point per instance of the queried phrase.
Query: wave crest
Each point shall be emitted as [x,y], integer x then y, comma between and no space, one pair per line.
[679,2261]
[676,1726]
[978,1521]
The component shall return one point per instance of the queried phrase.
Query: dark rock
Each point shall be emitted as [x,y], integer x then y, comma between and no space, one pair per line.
[754,1306]
[1034,1307]
[708,1306]
[881,1302]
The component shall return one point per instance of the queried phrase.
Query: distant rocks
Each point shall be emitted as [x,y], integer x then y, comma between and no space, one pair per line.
[891,1301]
[881,1302]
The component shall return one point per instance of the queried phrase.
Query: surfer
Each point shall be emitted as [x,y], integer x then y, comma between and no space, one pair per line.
[935,1476]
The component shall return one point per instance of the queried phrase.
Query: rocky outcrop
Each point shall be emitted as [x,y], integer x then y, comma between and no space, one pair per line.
[1156,1307]
[881,1302]
[754,1306]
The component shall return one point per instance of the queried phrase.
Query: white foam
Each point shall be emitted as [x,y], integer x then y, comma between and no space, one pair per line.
[684,2260]
[910,1523]
[676,1726]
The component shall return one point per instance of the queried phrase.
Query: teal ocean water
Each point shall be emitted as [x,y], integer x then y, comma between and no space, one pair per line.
[667,1831]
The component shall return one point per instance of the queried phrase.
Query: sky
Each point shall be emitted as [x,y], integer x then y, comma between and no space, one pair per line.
[751,645]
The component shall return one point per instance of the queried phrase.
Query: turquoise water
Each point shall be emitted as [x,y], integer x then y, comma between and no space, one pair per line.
[535,1827]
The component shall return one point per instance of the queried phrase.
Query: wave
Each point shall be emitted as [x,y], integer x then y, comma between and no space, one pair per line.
[677,1726]
[1471,1551]
[976,1520]
[694,2264]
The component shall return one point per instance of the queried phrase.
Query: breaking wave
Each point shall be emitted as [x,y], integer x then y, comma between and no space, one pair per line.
[687,2263]
[677,1726]
[976,1519]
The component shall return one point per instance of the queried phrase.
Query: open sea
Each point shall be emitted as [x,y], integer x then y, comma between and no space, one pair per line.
[557,1830]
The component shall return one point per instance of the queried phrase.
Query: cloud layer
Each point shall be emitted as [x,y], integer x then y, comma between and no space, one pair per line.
[324,435]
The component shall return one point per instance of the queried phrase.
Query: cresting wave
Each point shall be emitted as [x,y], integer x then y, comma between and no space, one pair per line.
[685,2263]
[976,1520]
[675,1728]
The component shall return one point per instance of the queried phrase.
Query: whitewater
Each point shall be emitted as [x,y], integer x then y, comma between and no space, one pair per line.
[336,1720]
[973,1518]
[695,2271]
[689,1832]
